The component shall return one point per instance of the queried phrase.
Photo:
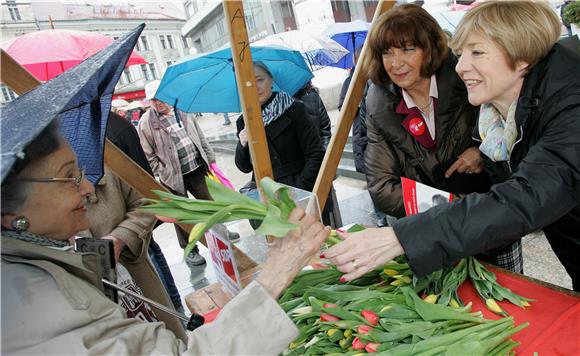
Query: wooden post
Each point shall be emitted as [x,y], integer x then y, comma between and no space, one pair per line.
[21,81]
[351,102]
[246,82]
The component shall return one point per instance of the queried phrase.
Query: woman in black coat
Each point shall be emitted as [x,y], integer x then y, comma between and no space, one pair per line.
[294,143]
[528,89]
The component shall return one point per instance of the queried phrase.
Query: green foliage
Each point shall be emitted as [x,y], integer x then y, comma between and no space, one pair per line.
[572,13]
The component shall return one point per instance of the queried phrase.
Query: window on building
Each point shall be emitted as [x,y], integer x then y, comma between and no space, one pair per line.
[153,71]
[250,22]
[145,71]
[13,9]
[190,8]
[7,94]
[142,44]
[166,41]
[341,10]
[288,15]
[125,77]
[220,28]
[185,44]
[370,7]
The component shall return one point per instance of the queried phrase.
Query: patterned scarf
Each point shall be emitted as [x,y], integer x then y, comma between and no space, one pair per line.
[498,135]
[279,104]
[36,239]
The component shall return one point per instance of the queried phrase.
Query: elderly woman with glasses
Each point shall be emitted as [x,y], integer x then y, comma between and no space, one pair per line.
[529,126]
[52,297]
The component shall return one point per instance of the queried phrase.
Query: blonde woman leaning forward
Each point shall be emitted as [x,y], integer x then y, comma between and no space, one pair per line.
[529,91]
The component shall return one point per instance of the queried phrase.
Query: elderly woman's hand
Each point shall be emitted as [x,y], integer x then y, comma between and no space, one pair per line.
[363,251]
[287,255]
[468,162]
[243,135]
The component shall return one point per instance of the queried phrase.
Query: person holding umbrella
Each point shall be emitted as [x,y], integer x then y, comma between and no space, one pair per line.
[294,142]
[52,297]
[179,155]
[528,89]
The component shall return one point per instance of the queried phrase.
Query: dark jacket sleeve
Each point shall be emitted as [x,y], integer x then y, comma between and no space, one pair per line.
[344,89]
[324,124]
[242,158]
[124,135]
[383,173]
[544,187]
[318,114]
[310,144]
[359,134]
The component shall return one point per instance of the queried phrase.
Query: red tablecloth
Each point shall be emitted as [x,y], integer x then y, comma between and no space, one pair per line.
[554,317]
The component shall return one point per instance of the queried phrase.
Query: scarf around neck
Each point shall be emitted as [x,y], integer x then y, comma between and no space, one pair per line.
[35,239]
[277,105]
[498,135]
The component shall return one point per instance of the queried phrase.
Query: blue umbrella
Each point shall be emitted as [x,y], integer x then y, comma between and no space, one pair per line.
[80,98]
[206,83]
[350,35]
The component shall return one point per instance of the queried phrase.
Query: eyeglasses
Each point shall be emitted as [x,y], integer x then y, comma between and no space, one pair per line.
[76,180]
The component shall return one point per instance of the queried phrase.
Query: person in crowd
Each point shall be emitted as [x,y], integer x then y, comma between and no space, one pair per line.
[528,89]
[227,120]
[179,155]
[43,278]
[309,95]
[419,120]
[113,213]
[315,108]
[124,135]
[294,143]
[359,126]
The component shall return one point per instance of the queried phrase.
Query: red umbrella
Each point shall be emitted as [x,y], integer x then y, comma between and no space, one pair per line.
[48,53]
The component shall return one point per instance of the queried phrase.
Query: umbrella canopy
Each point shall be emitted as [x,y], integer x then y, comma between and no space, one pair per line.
[318,51]
[448,20]
[350,35]
[48,53]
[207,83]
[80,98]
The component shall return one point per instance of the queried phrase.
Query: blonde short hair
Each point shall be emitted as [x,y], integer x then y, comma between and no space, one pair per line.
[525,31]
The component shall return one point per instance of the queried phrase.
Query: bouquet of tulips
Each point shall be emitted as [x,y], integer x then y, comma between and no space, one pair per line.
[228,205]
[375,315]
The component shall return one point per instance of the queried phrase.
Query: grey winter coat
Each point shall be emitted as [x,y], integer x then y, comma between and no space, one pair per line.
[160,149]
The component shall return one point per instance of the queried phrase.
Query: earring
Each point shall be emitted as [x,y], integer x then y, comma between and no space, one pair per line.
[20,224]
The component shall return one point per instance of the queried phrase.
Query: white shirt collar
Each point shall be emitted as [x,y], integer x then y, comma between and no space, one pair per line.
[433,92]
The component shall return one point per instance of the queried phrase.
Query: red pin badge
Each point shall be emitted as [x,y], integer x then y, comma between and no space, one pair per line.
[417,126]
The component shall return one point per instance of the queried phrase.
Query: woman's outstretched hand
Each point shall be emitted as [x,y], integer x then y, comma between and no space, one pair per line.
[288,255]
[363,251]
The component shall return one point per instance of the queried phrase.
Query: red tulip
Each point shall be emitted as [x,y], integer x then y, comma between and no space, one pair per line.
[370,316]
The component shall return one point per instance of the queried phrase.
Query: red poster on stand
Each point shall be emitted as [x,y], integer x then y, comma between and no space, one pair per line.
[419,197]
[224,263]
